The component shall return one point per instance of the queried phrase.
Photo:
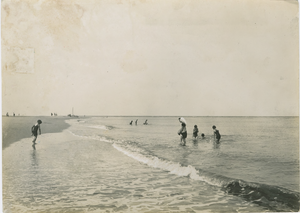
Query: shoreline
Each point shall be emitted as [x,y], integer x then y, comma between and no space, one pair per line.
[19,127]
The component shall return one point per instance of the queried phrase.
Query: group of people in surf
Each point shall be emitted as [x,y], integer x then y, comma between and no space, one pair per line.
[183,132]
[136,122]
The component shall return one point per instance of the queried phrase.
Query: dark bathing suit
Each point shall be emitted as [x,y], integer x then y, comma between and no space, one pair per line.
[35,130]
[195,134]
[218,136]
[184,134]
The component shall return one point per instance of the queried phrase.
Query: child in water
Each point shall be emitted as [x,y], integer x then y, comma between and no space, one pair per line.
[34,129]
[217,135]
[195,132]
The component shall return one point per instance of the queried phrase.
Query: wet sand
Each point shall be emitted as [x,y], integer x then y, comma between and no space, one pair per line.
[19,127]
[67,173]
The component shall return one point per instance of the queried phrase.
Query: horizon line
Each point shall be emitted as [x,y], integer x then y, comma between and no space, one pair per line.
[155,116]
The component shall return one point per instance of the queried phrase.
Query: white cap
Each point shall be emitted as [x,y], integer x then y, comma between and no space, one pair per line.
[182,120]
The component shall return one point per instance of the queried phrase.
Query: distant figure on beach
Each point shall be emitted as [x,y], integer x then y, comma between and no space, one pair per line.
[202,135]
[51,114]
[195,132]
[7,114]
[182,131]
[34,130]
[130,122]
[136,121]
[14,114]
[146,122]
[217,135]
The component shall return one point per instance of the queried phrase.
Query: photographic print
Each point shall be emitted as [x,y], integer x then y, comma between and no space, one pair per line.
[150,106]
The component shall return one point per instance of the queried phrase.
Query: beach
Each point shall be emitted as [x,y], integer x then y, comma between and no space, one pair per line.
[103,164]
[19,127]
[70,174]
[38,180]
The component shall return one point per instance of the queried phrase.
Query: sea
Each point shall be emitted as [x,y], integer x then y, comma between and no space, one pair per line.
[113,166]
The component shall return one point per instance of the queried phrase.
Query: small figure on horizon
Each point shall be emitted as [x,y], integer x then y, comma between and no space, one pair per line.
[195,132]
[217,135]
[146,122]
[7,114]
[202,135]
[130,122]
[182,131]
[34,130]
[14,114]
[136,121]
[51,114]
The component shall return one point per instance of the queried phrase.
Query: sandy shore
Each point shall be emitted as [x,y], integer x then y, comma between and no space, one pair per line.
[67,173]
[16,128]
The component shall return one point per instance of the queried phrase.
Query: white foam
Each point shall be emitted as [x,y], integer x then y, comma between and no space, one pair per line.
[155,162]
[171,167]
[104,139]
[99,127]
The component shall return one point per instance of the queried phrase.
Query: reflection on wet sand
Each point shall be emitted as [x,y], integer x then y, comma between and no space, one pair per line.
[34,160]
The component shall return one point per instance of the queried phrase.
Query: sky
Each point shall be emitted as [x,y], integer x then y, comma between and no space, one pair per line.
[150,57]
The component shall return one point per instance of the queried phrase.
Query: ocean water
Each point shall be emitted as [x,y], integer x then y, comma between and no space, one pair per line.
[116,167]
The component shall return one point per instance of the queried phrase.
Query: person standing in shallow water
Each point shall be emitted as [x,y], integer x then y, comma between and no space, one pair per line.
[35,129]
[195,132]
[182,131]
[217,135]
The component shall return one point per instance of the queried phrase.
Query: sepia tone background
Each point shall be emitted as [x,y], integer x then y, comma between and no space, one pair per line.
[146,58]
[121,57]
